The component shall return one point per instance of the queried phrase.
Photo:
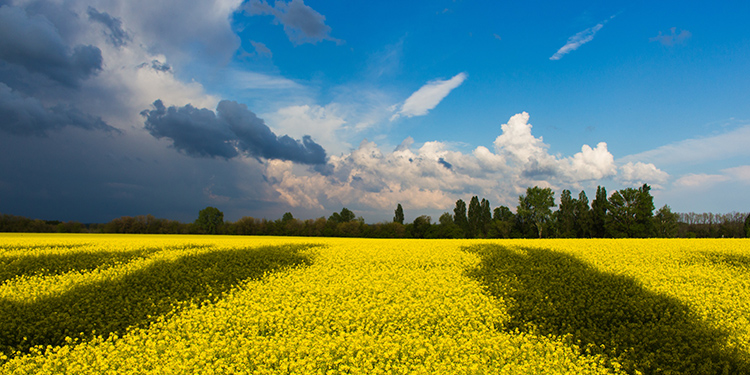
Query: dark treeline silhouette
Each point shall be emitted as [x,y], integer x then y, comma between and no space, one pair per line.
[626,213]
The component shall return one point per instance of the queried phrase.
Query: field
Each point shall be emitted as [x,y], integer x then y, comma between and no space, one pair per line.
[117,304]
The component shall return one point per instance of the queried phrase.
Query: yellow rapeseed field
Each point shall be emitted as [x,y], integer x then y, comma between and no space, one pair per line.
[150,304]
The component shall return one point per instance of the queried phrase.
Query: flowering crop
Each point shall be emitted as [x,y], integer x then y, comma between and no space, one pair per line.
[265,305]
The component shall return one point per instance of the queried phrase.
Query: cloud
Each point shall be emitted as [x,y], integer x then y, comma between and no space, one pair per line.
[428,97]
[578,40]
[673,38]
[33,42]
[706,181]
[27,116]
[302,24]
[114,31]
[642,173]
[255,80]
[325,124]
[261,49]
[233,129]
[433,176]
[698,150]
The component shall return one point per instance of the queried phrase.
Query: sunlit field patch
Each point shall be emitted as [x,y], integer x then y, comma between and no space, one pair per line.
[265,305]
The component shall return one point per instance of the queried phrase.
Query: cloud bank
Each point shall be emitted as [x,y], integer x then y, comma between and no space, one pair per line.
[232,130]
[433,176]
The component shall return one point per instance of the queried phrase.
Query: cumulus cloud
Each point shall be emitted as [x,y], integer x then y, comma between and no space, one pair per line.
[27,116]
[114,31]
[642,173]
[672,38]
[228,132]
[705,180]
[302,23]
[34,43]
[433,175]
[428,97]
[578,40]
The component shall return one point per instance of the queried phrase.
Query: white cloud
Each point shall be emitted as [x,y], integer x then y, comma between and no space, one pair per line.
[578,40]
[324,124]
[254,80]
[642,173]
[696,150]
[700,180]
[428,97]
[433,176]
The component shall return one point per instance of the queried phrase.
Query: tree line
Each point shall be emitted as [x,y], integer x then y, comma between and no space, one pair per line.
[626,213]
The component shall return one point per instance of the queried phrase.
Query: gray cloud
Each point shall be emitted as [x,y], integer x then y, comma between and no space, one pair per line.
[233,129]
[673,38]
[34,43]
[302,24]
[27,116]
[115,33]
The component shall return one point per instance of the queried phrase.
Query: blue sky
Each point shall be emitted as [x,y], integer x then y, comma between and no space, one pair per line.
[113,108]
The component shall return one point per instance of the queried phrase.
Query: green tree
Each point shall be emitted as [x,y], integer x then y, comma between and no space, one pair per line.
[399,216]
[485,216]
[565,215]
[582,214]
[665,222]
[475,217]
[210,220]
[747,226]
[421,226]
[534,208]
[459,216]
[503,221]
[644,212]
[345,216]
[599,208]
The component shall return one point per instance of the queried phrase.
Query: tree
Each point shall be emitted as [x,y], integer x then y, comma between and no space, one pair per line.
[399,217]
[631,213]
[421,226]
[503,220]
[665,222]
[485,216]
[747,226]
[599,208]
[345,216]
[535,208]
[459,216]
[644,212]
[475,217]
[210,220]
[582,214]
[566,215]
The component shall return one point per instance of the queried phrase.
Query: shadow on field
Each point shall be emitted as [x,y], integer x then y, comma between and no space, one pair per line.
[737,262]
[554,293]
[55,264]
[138,298]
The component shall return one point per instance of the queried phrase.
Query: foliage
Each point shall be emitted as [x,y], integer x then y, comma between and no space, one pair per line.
[665,222]
[534,208]
[459,216]
[210,220]
[398,217]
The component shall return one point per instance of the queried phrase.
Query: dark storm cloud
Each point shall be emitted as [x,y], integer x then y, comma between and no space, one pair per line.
[34,43]
[233,129]
[27,116]
[302,23]
[115,33]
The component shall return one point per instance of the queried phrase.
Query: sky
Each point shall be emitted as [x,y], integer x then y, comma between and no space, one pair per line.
[117,108]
